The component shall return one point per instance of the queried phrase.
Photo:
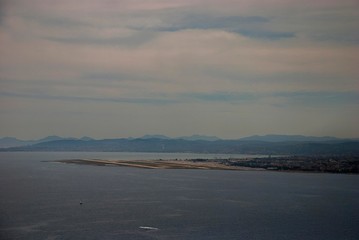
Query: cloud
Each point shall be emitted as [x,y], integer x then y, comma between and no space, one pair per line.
[210,63]
[250,26]
[229,97]
[71,98]
[135,40]
[207,61]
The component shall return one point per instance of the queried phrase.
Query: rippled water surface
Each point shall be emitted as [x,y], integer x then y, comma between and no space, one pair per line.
[41,200]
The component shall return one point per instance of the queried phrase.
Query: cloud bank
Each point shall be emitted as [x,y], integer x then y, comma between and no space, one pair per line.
[225,68]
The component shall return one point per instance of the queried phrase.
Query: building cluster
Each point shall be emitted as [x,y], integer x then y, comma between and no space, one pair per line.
[333,164]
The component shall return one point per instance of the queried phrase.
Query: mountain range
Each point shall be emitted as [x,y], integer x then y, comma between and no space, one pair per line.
[7,142]
[268,144]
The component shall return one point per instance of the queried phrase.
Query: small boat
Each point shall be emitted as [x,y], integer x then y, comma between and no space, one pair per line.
[148,228]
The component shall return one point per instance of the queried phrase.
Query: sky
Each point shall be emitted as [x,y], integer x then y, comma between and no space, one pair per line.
[226,68]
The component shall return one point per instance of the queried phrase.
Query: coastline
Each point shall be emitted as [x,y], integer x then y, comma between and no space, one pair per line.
[308,164]
[160,164]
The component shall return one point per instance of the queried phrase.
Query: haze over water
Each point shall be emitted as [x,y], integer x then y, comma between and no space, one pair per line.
[40,200]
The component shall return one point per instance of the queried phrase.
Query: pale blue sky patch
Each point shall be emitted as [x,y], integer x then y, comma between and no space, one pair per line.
[286,98]
[271,35]
[320,98]
[229,97]
[134,100]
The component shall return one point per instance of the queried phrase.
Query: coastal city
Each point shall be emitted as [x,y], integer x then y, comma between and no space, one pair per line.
[330,164]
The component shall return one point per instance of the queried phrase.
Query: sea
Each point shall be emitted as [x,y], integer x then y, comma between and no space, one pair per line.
[40,199]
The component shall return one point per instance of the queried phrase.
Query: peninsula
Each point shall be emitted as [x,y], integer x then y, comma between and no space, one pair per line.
[160,164]
[329,164]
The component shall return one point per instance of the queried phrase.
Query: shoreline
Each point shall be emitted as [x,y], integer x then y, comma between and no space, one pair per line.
[275,164]
[159,164]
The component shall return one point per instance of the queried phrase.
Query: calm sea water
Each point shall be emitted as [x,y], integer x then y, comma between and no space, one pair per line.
[40,200]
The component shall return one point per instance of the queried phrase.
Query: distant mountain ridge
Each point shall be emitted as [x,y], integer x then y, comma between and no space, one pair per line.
[194,137]
[197,137]
[291,138]
[7,142]
[157,136]
[11,141]
[153,144]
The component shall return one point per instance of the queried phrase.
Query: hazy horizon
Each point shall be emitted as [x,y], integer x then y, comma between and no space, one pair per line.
[231,69]
[174,137]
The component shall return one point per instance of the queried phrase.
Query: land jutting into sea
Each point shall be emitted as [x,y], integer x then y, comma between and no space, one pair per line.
[328,164]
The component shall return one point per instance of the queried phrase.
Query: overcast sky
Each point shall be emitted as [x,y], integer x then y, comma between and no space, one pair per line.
[230,68]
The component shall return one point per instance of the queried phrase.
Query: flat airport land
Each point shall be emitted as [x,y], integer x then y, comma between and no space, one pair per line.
[159,164]
[330,164]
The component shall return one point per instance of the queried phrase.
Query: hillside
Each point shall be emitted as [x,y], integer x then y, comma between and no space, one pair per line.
[197,146]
